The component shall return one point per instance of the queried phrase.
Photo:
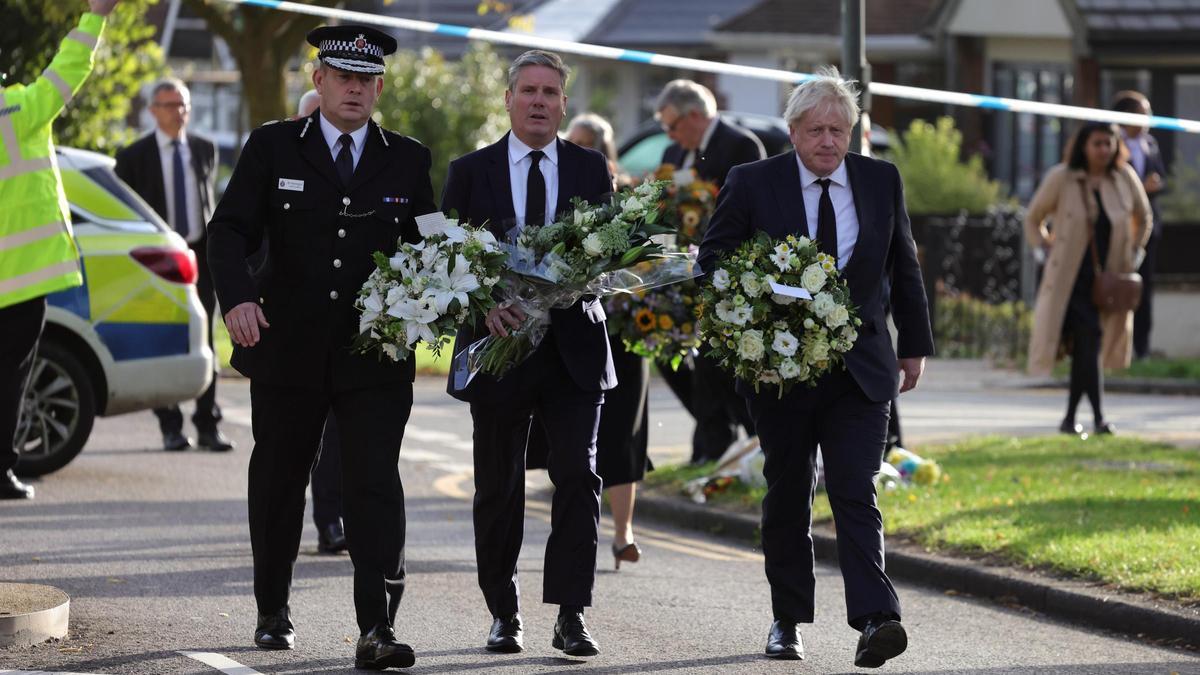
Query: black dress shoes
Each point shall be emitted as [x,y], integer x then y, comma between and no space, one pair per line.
[572,637]
[783,642]
[1070,427]
[11,487]
[175,441]
[378,650]
[214,440]
[1105,429]
[881,639]
[506,635]
[331,539]
[275,631]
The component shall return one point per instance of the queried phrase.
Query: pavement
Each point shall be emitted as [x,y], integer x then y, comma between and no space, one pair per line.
[153,550]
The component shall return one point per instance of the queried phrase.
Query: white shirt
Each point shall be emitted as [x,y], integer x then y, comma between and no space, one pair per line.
[690,158]
[166,157]
[518,174]
[843,207]
[1137,152]
[358,138]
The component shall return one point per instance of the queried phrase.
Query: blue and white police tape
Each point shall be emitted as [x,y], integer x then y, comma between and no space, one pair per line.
[634,56]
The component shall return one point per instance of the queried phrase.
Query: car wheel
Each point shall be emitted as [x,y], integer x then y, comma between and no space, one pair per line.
[57,413]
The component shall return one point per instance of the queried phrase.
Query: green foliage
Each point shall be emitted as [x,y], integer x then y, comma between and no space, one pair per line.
[453,108]
[936,180]
[128,58]
[969,328]
[1181,201]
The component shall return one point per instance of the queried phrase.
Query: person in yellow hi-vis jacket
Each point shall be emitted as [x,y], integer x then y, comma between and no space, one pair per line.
[37,252]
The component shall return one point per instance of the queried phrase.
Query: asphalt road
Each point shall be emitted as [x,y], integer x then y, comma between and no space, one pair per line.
[153,550]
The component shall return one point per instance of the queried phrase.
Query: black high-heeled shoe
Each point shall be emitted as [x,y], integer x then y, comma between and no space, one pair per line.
[630,553]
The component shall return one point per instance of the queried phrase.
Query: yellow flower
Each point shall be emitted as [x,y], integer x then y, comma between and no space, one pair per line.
[687,328]
[645,320]
[665,322]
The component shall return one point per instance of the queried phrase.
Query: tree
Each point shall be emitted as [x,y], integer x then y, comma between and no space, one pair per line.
[128,58]
[262,41]
[451,107]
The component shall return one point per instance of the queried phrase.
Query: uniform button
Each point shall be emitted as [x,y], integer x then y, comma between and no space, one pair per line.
[333,295]
[341,234]
[287,205]
[337,263]
[397,219]
[346,201]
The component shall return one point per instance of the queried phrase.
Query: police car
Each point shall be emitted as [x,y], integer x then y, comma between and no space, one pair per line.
[131,338]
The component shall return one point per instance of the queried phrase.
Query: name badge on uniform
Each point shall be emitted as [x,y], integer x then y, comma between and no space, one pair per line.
[291,184]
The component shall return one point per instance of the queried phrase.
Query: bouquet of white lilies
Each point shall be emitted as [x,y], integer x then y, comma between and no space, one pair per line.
[591,250]
[777,312]
[427,289]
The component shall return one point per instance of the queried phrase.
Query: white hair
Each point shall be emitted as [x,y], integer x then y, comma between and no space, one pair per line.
[310,101]
[685,96]
[827,88]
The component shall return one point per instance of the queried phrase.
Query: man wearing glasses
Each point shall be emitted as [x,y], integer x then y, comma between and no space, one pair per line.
[173,171]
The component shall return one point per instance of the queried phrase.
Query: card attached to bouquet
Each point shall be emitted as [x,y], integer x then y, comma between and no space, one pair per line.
[790,291]
[435,221]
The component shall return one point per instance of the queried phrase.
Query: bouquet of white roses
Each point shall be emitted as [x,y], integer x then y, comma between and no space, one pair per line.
[590,250]
[427,289]
[777,312]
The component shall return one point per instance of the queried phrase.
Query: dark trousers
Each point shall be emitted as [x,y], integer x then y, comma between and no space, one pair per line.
[1086,374]
[20,328]
[327,478]
[1143,318]
[501,411]
[718,410]
[288,424]
[208,413]
[851,430]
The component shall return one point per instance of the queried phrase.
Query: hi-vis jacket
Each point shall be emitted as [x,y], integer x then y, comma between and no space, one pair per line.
[37,251]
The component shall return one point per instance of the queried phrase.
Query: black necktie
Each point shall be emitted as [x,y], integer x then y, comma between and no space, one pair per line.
[345,160]
[826,222]
[180,188]
[535,191]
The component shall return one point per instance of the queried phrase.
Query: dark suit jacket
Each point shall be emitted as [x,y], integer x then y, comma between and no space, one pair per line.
[479,190]
[322,237]
[139,165]
[729,146]
[1154,164]
[767,196]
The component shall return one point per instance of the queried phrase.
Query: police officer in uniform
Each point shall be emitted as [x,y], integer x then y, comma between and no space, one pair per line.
[327,191]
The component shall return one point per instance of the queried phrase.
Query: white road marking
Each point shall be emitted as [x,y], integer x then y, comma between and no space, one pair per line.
[222,663]
[41,672]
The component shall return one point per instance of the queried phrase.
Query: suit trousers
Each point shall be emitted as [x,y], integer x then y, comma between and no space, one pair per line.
[22,324]
[327,478]
[717,409]
[501,411]
[208,413]
[1143,317]
[851,431]
[287,424]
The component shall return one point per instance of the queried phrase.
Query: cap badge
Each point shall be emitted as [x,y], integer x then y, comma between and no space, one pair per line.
[360,42]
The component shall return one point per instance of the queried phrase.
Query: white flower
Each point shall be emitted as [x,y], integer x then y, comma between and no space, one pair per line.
[373,303]
[593,245]
[789,369]
[450,229]
[486,238]
[785,344]
[813,278]
[750,345]
[731,313]
[583,218]
[782,257]
[742,314]
[646,189]
[840,316]
[818,350]
[430,256]
[751,284]
[809,323]
[447,286]
[720,280]
[632,207]
[823,304]
[849,334]
[391,350]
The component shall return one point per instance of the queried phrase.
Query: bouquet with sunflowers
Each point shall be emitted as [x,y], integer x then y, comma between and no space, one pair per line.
[659,324]
[777,312]
[688,203]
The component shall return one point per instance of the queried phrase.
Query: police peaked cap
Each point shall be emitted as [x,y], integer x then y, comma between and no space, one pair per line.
[358,49]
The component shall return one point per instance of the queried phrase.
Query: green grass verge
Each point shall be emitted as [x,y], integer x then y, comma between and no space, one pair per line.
[427,363]
[1116,510]
[1152,368]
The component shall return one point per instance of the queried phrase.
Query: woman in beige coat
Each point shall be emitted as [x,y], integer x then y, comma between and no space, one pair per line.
[1095,190]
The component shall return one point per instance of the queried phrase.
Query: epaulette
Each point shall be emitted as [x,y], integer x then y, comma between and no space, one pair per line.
[265,124]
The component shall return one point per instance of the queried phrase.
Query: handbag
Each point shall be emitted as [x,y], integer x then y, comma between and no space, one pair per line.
[1113,291]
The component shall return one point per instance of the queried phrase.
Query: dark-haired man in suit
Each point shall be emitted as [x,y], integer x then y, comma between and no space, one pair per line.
[853,206]
[710,147]
[173,170]
[527,177]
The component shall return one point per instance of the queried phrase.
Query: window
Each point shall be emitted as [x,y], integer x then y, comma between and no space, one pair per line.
[1026,145]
